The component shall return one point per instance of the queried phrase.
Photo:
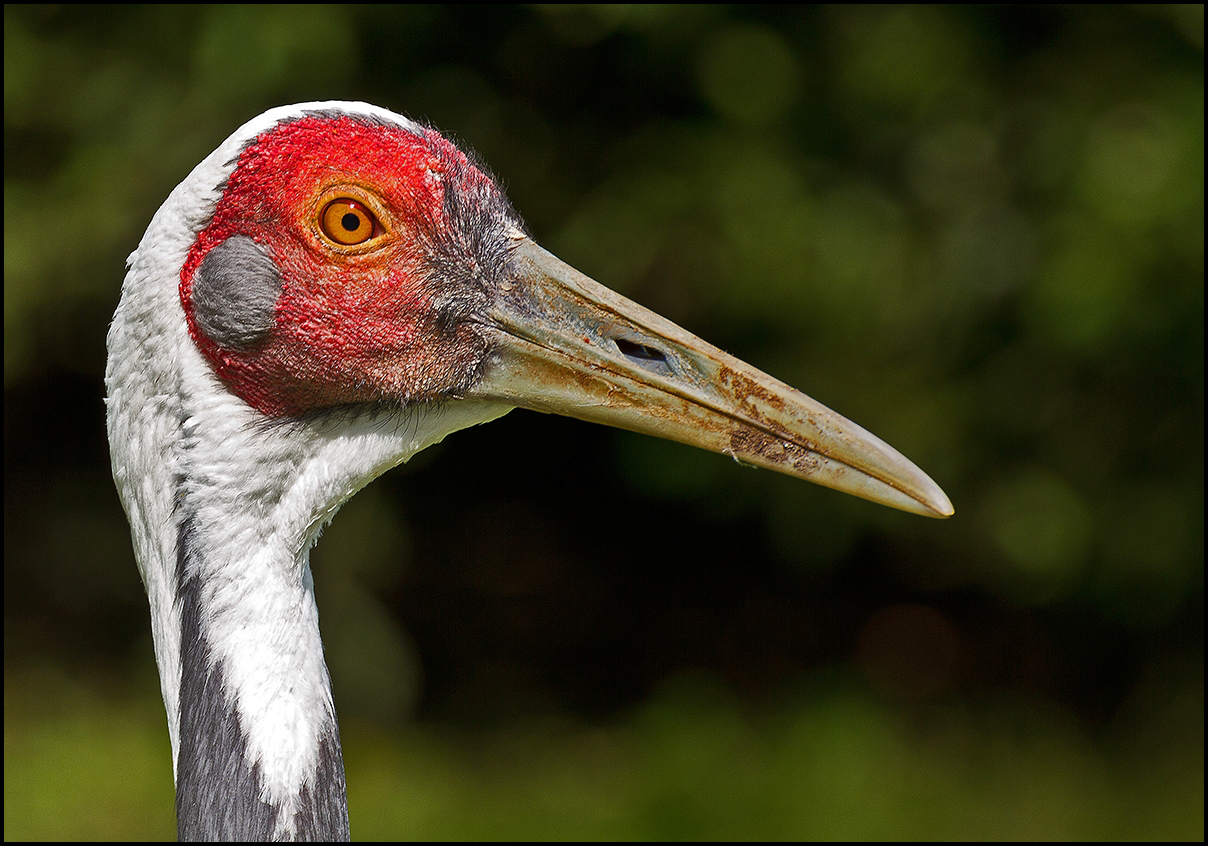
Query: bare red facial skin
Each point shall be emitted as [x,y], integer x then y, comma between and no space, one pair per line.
[364,323]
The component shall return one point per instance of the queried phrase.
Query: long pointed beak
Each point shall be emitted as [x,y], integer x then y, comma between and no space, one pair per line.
[567,345]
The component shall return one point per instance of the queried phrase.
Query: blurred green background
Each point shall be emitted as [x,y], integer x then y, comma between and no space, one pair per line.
[977,231]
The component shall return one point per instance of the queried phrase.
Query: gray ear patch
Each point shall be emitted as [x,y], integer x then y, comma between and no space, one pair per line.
[235,291]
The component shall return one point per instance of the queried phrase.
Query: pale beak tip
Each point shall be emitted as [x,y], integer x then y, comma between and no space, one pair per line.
[936,502]
[943,509]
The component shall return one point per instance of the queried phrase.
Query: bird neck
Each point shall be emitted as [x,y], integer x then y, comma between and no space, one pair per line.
[258,742]
[259,746]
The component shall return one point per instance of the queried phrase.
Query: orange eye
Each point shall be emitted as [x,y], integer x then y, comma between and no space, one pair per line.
[348,222]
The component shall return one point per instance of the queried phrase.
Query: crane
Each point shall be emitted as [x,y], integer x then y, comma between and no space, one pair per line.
[332,290]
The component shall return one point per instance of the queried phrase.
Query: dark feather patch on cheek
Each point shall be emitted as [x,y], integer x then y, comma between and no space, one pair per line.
[235,293]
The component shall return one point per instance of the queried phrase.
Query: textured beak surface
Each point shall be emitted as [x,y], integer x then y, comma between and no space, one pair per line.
[564,344]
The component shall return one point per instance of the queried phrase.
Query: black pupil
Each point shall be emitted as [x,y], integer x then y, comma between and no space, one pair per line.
[350,222]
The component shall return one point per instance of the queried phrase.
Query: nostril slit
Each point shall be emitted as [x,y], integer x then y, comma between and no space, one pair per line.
[640,352]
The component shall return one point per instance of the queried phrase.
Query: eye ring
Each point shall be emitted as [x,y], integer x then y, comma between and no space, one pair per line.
[348,222]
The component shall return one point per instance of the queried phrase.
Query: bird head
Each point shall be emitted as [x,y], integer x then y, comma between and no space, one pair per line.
[345,257]
[348,261]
